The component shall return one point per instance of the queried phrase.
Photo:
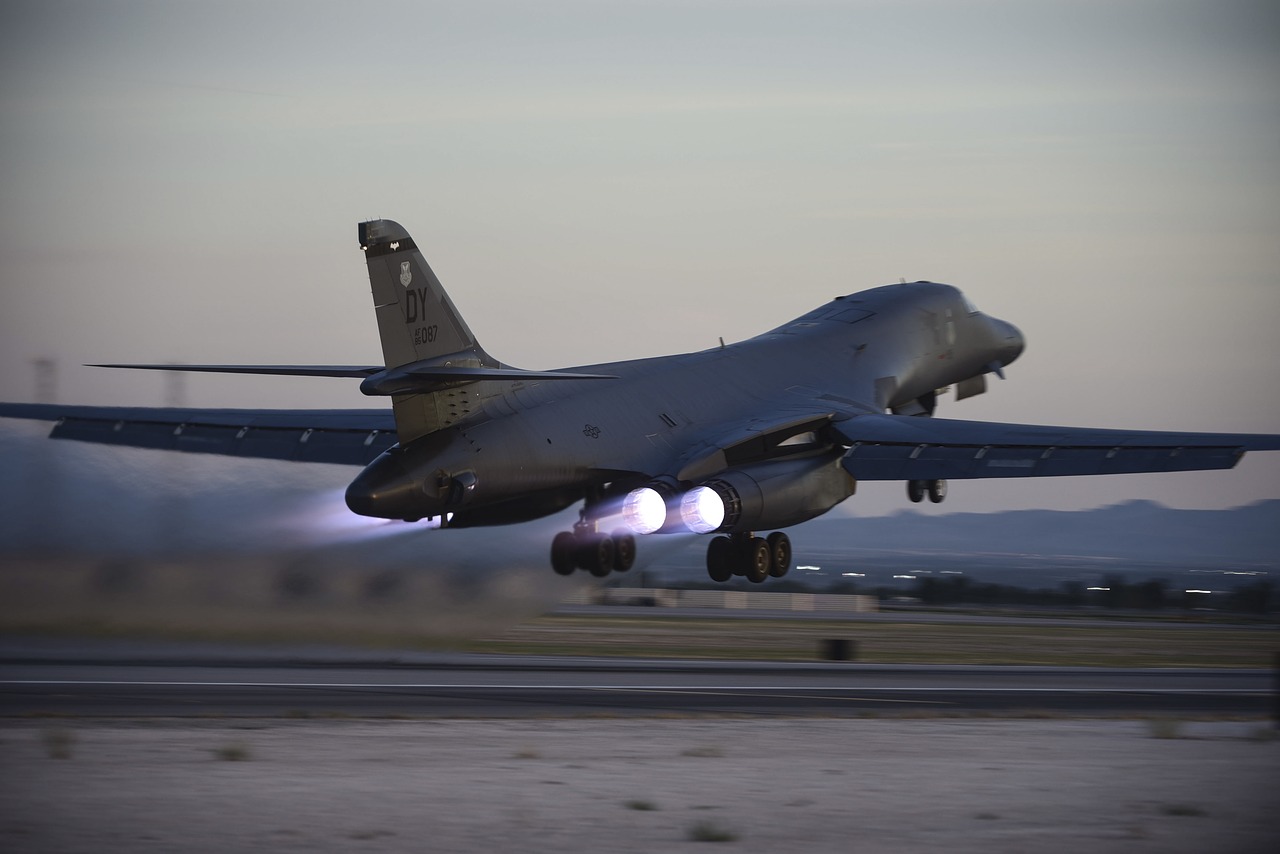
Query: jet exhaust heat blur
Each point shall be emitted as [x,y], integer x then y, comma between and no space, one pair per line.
[729,442]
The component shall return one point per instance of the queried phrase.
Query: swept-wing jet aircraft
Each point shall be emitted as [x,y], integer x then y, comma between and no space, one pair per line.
[732,441]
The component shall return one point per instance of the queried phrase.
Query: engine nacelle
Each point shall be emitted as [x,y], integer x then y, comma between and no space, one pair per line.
[773,494]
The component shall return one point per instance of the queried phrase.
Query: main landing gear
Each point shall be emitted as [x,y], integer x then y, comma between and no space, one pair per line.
[597,553]
[757,558]
[936,489]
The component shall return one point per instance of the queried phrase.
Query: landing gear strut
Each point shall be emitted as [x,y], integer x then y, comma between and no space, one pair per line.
[586,548]
[917,489]
[755,557]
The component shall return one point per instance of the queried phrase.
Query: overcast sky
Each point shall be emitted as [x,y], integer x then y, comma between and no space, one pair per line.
[598,181]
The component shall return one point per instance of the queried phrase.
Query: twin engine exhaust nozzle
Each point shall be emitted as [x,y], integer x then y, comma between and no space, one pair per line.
[702,509]
[770,494]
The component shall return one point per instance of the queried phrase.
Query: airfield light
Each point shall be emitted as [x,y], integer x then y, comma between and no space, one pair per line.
[702,510]
[644,511]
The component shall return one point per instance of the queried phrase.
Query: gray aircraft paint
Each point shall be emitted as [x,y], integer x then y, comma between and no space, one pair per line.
[795,416]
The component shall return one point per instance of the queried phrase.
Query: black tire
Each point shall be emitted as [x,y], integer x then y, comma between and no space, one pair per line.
[595,555]
[564,553]
[720,559]
[937,491]
[624,551]
[915,491]
[756,560]
[779,554]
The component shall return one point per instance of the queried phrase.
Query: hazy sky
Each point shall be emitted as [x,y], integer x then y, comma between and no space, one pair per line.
[597,181]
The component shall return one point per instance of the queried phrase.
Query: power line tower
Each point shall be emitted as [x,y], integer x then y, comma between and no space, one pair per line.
[175,389]
[46,379]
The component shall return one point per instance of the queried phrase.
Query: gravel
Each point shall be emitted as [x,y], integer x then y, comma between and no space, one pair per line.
[639,785]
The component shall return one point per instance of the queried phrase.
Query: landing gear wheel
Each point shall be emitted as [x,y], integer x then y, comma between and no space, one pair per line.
[595,555]
[915,491]
[720,559]
[564,553]
[779,554]
[937,491]
[756,559]
[624,551]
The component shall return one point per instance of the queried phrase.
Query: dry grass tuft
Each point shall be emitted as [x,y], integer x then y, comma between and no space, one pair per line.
[710,751]
[1182,809]
[1164,728]
[58,742]
[709,831]
[236,751]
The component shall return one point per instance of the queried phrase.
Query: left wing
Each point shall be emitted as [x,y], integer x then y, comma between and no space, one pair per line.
[898,447]
[345,437]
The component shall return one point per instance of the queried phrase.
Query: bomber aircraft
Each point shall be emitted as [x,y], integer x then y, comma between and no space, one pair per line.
[734,441]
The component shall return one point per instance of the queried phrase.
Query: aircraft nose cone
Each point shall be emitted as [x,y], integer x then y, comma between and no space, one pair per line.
[1011,341]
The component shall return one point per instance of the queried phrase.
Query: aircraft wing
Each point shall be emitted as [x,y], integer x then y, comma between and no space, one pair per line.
[345,437]
[899,447]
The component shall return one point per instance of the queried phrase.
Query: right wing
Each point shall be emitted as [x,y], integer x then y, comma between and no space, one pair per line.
[345,437]
[898,447]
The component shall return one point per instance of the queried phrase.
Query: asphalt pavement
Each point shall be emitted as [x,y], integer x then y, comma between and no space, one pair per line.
[143,679]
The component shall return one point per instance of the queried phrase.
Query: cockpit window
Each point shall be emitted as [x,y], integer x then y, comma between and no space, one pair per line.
[968,305]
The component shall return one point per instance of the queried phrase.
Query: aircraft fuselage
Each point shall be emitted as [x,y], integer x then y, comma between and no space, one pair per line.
[877,350]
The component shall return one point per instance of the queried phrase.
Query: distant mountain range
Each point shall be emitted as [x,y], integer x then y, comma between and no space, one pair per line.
[1143,531]
[1136,537]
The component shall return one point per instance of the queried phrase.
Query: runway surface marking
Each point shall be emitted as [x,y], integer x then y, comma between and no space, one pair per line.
[769,693]
[681,689]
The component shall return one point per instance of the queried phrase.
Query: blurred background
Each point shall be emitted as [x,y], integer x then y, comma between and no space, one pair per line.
[599,181]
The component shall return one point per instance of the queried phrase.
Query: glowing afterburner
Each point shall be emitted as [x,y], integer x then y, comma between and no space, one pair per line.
[644,510]
[702,510]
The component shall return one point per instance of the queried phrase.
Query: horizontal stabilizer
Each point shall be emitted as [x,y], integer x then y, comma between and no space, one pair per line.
[414,378]
[353,371]
[888,447]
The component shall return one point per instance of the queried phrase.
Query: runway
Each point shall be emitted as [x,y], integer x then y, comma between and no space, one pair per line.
[130,679]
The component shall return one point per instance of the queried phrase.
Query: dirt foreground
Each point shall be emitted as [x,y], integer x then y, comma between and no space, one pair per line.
[639,785]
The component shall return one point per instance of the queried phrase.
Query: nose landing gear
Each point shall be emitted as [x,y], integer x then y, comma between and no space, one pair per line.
[917,489]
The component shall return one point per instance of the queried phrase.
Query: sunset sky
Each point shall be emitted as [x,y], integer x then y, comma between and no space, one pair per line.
[596,181]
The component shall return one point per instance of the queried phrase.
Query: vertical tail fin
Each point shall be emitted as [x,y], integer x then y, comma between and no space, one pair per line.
[416,318]
[417,321]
